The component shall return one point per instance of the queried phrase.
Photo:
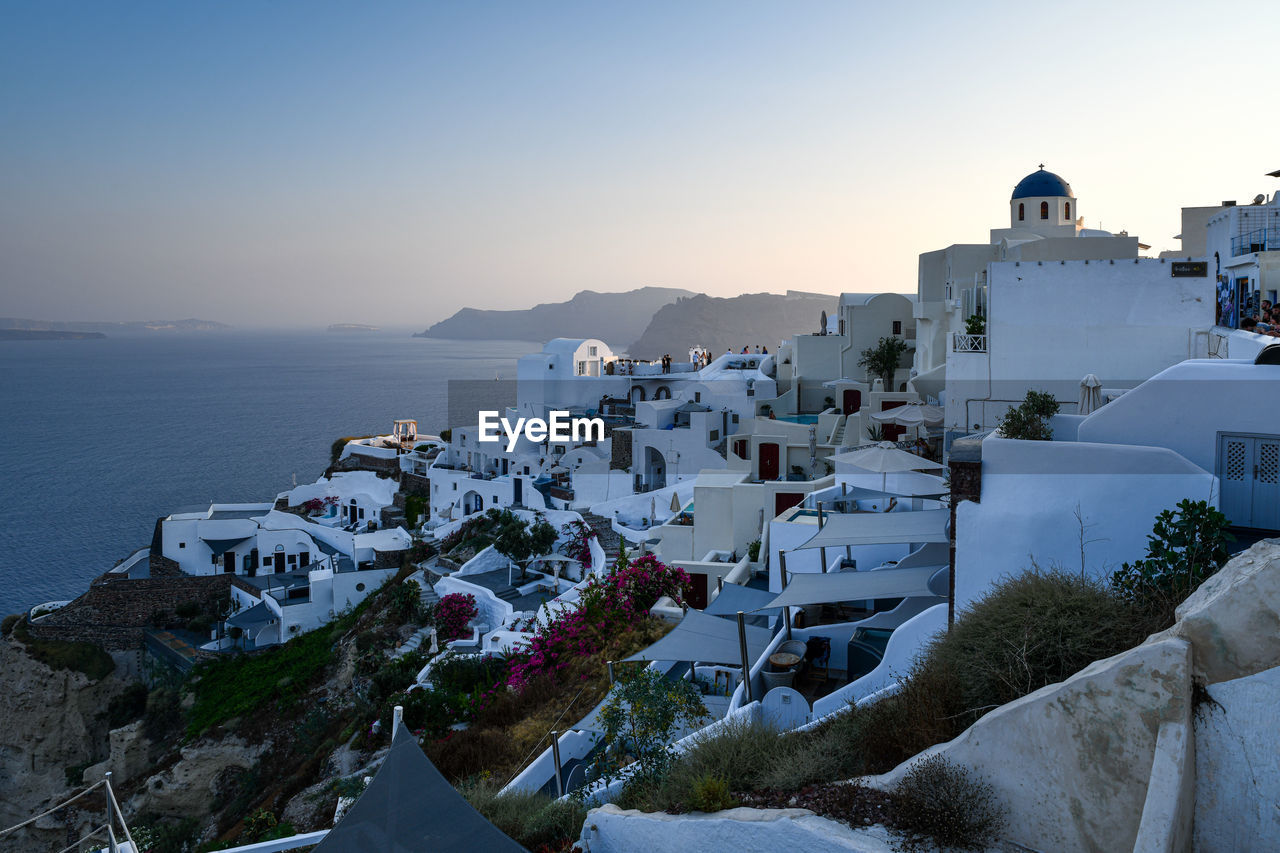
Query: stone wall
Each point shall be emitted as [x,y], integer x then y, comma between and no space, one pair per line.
[620,450]
[113,613]
[415,484]
[360,462]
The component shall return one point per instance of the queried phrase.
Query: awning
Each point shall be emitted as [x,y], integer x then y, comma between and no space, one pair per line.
[753,602]
[408,808]
[815,588]
[881,528]
[858,493]
[255,617]
[706,638]
[936,555]
[222,546]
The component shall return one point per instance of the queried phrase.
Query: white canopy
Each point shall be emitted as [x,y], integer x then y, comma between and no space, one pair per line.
[910,415]
[815,588]
[711,639]
[885,458]
[880,528]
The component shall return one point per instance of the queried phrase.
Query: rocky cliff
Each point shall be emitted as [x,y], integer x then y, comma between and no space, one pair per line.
[615,318]
[719,324]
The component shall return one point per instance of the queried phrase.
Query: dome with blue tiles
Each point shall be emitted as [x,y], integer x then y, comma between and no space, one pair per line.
[1042,184]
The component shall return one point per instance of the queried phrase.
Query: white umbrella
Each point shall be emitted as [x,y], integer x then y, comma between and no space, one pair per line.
[653,510]
[675,502]
[885,458]
[910,415]
[1090,394]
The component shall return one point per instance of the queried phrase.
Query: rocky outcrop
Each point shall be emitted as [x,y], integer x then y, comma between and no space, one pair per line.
[752,319]
[53,724]
[192,786]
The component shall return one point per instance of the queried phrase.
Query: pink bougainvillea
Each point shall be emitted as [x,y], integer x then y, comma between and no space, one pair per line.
[453,613]
[605,607]
[578,535]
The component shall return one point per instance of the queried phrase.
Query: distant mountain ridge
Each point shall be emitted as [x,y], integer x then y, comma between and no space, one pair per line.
[723,323]
[618,319]
[188,325]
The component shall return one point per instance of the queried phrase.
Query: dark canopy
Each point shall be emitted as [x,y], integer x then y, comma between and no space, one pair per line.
[753,602]
[708,639]
[410,808]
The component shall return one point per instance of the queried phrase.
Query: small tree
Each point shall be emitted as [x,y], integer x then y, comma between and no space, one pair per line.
[520,542]
[975,324]
[1029,420]
[639,720]
[1185,547]
[882,359]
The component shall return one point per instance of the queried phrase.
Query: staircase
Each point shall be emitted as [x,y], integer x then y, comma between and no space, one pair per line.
[427,595]
[608,537]
[837,435]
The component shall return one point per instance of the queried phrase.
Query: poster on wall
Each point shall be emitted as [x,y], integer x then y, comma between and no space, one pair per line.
[1226,302]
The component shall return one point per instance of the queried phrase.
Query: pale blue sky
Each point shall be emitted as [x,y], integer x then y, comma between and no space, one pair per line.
[311,162]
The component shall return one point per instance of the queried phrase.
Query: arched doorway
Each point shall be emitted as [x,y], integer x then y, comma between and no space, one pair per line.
[637,394]
[655,468]
[663,393]
[472,502]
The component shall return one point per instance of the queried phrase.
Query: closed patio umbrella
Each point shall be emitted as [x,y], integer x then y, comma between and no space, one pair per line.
[1090,394]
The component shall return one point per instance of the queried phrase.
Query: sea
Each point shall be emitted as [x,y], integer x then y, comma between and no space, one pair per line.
[99,438]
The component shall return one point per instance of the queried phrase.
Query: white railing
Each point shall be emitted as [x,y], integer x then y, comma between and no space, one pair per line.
[961,342]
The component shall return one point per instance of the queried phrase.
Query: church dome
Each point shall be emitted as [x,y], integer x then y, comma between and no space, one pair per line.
[1041,184]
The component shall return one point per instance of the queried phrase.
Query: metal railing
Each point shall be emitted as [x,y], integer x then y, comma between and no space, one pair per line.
[960,342]
[1258,240]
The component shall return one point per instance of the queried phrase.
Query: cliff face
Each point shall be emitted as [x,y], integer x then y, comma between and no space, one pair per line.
[719,324]
[615,318]
[53,720]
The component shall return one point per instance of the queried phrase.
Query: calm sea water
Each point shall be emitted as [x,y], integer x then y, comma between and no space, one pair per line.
[99,438]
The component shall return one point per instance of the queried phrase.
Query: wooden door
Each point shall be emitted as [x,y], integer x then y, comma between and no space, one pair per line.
[852,400]
[783,501]
[768,461]
[892,432]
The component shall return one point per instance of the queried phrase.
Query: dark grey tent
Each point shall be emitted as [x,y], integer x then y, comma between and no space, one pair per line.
[735,597]
[708,639]
[410,808]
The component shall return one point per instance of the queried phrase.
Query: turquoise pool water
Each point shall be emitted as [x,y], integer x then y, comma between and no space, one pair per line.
[799,419]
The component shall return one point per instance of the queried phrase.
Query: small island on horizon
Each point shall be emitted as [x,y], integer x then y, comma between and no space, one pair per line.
[352,327]
[47,335]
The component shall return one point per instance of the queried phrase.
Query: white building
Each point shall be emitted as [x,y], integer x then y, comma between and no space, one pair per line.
[1201,430]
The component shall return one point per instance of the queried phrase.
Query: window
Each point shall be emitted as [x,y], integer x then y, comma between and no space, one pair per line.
[293,559]
[362,513]
[582,368]
[1022,211]
[1044,210]
[714,435]
[1066,211]
[182,544]
[213,559]
[697,396]
[359,587]
[591,351]
[897,327]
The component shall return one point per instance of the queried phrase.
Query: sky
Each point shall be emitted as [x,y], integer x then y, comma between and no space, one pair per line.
[305,163]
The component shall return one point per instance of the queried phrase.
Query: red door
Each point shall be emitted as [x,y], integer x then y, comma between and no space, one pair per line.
[852,400]
[892,432]
[769,461]
[740,448]
[697,597]
[783,501]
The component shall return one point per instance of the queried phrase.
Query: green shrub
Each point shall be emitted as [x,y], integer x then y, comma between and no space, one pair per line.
[201,624]
[1029,420]
[975,324]
[77,656]
[128,706]
[710,794]
[1185,547]
[415,506]
[940,804]
[753,551]
[187,610]
[534,820]
[6,627]
[455,674]
[244,684]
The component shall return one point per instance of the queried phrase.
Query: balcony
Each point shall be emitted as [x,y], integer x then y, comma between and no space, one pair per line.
[1261,240]
[961,342]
